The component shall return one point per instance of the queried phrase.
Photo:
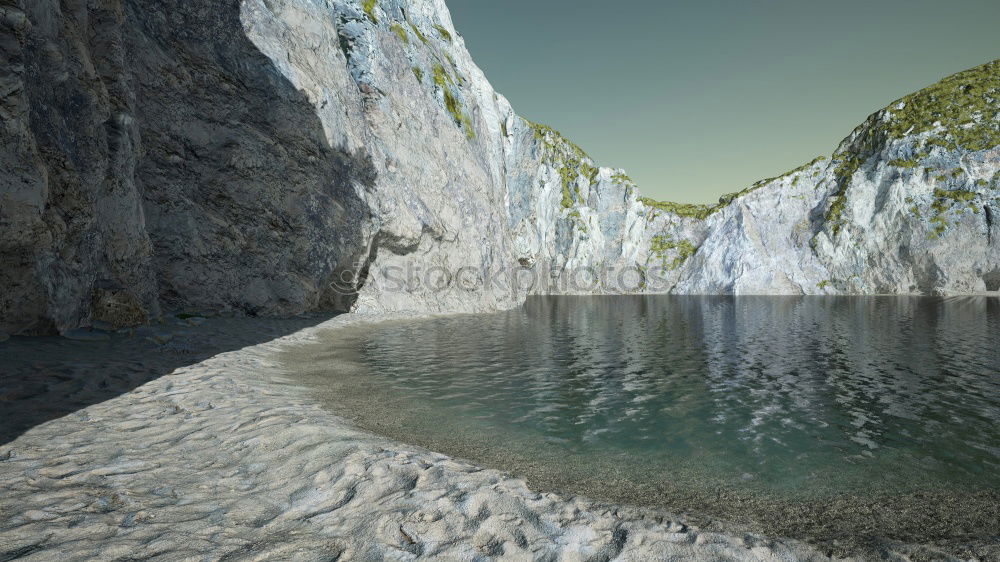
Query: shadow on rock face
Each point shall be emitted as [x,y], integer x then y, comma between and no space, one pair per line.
[45,378]
[992,280]
[247,204]
[189,171]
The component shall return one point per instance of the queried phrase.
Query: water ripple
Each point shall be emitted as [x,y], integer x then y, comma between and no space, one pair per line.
[784,392]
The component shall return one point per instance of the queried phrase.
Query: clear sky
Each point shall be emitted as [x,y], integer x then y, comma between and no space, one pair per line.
[703,97]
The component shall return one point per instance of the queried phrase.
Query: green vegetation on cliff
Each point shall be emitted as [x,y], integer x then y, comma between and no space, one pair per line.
[578,221]
[443,33]
[401,32]
[703,211]
[568,159]
[961,111]
[795,174]
[946,201]
[621,178]
[662,244]
[444,81]
[689,210]
[904,163]
[959,195]
[369,8]
[416,31]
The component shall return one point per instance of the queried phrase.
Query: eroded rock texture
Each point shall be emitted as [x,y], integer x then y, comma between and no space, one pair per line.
[153,153]
[269,157]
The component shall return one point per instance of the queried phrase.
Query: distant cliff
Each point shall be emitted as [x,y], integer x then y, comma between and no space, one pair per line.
[270,157]
[906,205]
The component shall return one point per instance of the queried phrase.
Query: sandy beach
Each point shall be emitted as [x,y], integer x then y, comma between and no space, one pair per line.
[188,442]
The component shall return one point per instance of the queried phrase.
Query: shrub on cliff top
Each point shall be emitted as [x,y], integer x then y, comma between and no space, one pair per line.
[964,106]
[961,111]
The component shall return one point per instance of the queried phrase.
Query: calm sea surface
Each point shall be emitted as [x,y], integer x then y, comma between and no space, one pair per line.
[883,411]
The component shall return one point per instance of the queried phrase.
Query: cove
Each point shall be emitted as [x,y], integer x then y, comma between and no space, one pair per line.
[818,418]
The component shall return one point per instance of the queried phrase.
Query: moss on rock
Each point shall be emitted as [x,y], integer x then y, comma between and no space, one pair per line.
[662,245]
[703,211]
[369,7]
[902,163]
[400,31]
[568,159]
[416,31]
[444,33]
[622,178]
[444,81]
[962,110]
[944,202]
[689,210]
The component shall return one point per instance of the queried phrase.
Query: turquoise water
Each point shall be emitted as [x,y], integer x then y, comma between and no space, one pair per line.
[693,403]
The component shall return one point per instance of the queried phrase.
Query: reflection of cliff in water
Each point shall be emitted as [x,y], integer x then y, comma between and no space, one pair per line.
[784,389]
[886,372]
[811,417]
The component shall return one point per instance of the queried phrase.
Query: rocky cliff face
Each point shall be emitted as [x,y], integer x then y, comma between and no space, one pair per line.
[277,156]
[912,193]
[153,158]
[906,205]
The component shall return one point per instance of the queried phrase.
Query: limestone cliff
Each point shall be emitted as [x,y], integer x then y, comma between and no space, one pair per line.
[154,159]
[906,205]
[277,156]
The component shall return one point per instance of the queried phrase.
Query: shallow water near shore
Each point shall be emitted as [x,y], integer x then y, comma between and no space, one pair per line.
[842,420]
